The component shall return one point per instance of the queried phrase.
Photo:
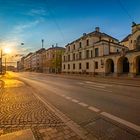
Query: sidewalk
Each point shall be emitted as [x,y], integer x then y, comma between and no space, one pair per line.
[24,117]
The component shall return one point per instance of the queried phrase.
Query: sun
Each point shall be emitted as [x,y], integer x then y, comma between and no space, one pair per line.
[7,50]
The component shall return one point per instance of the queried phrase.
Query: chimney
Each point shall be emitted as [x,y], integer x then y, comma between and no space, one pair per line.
[97,29]
[84,34]
[52,46]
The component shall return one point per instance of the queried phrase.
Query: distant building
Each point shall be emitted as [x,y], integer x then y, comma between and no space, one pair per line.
[52,59]
[100,54]
[37,60]
[20,64]
[27,62]
[47,61]
[10,68]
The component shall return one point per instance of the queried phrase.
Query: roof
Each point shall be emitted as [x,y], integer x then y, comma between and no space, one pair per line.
[40,50]
[112,43]
[126,38]
[56,47]
[28,54]
[94,33]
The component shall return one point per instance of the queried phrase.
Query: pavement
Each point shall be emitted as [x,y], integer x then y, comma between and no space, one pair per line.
[25,117]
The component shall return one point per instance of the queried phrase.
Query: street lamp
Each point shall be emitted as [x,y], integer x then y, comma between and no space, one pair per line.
[6,51]
[1,62]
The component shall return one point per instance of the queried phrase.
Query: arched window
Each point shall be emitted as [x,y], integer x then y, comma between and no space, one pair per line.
[138,43]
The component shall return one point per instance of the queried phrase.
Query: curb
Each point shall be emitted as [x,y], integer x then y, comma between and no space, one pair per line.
[75,127]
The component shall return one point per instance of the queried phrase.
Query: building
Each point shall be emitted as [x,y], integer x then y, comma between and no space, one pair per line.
[27,62]
[34,62]
[10,68]
[52,59]
[47,61]
[97,53]
[37,60]
[20,64]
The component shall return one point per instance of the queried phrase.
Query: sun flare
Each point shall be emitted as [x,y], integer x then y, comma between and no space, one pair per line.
[7,50]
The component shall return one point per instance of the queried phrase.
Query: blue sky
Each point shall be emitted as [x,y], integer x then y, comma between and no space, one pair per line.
[62,21]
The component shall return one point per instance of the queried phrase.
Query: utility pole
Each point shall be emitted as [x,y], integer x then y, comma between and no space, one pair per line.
[5,66]
[1,61]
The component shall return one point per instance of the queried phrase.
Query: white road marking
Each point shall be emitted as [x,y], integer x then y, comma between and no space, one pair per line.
[101,89]
[96,83]
[80,83]
[98,86]
[121,121]
[93,85]
[83,104]
[75,101]
[67,97]
[89,82]
[93,109]
[63,95]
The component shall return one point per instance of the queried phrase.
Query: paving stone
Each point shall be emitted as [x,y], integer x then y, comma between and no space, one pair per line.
[107,131]
[19,135]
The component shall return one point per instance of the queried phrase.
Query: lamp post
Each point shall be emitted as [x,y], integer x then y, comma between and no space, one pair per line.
[6,51]
[5,65]
[1,61]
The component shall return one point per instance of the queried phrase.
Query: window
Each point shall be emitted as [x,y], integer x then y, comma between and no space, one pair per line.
[96,65]
[68,66]
[80,66]
[87,65]
[80,55]
[64,58]
[74,47]
[68,48]
[53,56]
[87,42]
[68,57]
[96,52]
[91,53]
[80,44]
[74,56]
[138,43]
[64,66]
[73,66]
[87,53]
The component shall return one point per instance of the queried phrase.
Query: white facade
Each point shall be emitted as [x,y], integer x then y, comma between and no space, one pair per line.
[85,55]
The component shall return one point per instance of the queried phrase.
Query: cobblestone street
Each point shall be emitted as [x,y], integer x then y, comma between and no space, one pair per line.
[20,110]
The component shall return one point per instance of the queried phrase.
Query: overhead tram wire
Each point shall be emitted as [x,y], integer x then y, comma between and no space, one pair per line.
[54,19]
[125,10]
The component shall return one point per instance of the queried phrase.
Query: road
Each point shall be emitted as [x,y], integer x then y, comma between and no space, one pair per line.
[101,108]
